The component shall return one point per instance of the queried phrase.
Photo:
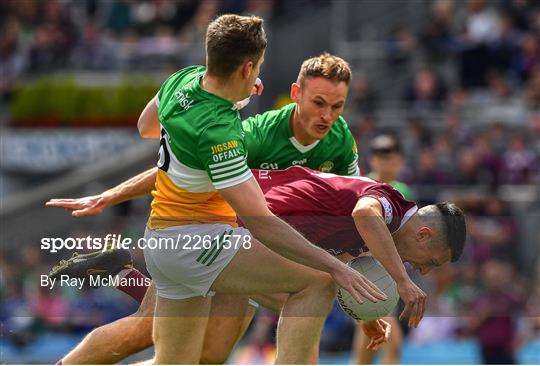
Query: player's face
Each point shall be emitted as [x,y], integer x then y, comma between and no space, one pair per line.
[425,256]
[386,164]
[319,103]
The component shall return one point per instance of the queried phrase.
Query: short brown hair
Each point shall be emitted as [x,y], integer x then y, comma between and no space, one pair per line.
[230,40]
[326,66]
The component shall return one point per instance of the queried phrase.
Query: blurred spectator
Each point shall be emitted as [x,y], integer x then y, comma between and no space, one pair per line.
[53,39]
[499,88]
[468,169]
[443,151]
[528,60]
[518,162]
[481,28]
[263,8]
[94,51]
[19,318]
[490,162]
[438,38]
[89,311]
[364,98]
[415,136]
[194,32]
[458,133]
[505,48]
[386,163]
[12,56]
[427,171]
[427,91]
[494,232]
[532,91]
[118,19]
[400,45]
[496,136]
[51,310]
[520,13]
[495,312]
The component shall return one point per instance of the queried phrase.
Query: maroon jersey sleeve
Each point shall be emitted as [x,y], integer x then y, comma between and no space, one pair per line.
[396,209]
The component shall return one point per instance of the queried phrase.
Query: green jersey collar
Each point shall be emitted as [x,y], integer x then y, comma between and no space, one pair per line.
[198,90]
[302,148]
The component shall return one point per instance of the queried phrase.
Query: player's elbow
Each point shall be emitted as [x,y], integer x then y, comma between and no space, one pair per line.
[363,211]
[141,126]
[145,130]
[367,207]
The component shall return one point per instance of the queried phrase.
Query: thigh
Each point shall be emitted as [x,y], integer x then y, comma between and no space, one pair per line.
[259,270]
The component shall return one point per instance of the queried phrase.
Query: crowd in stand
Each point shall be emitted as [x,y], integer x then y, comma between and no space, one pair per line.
[472,120]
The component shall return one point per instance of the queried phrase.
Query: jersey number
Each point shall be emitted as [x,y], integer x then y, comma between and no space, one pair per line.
[164,157]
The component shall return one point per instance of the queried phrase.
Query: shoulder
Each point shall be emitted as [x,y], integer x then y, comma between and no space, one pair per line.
[184,76]
[340,129]
[340,139]
[269,119]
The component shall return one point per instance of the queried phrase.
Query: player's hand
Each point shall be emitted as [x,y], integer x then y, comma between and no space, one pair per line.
[357,285]
[414,299]
[86,206]
[378,331]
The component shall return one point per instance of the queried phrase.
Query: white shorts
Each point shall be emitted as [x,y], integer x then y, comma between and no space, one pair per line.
[185,260]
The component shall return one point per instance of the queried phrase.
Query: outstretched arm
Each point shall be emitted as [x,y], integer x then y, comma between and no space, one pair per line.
[136,186]
[368,218]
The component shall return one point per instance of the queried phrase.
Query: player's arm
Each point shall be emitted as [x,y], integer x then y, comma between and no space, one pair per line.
[248,201]
[148,123]
[369,220]
[136,186]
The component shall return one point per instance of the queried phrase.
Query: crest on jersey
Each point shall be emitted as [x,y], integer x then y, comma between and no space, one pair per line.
[326,167]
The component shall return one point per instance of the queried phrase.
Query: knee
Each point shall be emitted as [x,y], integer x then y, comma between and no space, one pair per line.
[139,334]
[322,288]
[213,355]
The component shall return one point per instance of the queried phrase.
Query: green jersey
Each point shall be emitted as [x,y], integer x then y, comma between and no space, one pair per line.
[201,150]
[399,186]
[271,145]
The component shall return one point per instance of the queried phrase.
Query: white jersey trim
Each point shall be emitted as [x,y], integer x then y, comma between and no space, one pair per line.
[410,212]
[303,149]
[192,180]
[234,181]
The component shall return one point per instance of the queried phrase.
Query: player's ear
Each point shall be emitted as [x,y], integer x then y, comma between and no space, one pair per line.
[424,234]
[295,91]
[247,68]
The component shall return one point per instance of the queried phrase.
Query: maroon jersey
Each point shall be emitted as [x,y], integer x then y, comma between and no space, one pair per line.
[319,205]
